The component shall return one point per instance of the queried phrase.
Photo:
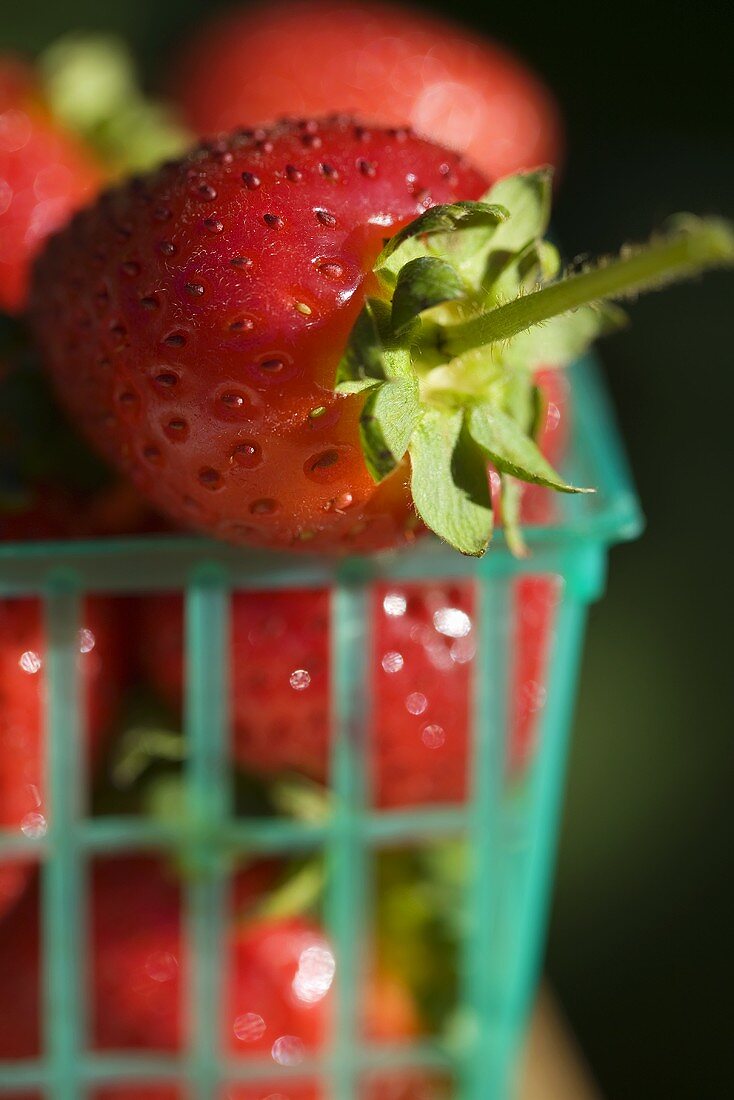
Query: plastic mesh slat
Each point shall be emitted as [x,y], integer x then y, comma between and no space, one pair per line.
[208,788]
[543,808]
[346,851]
[487,764]
[64,908]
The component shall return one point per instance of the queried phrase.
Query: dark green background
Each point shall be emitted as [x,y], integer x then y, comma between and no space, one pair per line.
[641,938]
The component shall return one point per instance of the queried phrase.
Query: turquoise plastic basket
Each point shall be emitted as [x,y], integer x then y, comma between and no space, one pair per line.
[512,828]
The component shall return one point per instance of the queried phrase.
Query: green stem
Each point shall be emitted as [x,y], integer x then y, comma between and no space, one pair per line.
[695,245]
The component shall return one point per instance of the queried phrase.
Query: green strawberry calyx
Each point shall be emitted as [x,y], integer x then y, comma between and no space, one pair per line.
[91,86]
[470,304]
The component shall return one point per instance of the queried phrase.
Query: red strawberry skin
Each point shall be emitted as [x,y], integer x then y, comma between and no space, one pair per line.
[422,663]
[22,706]
[278,979]
[193,322]
[45,174]
[390,65]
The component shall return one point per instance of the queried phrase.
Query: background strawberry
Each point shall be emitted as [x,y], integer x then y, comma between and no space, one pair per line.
[45,174]
[278,981]
[51,487]
[22,707]
[389,65]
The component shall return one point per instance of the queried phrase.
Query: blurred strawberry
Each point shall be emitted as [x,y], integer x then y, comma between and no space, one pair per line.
[23,650]
[422,660]
[389,65]
[20,982]
[45,175]
[51,485]
[278,979]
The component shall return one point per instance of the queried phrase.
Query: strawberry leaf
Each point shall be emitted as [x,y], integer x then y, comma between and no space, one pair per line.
[410,242]
[422,284]
[511,450]
[527,196]
[387,423]
[91,85]
[511,495]
[508,274]
[520,258]
[449,481]
[300,892]
[373,364]
[362,365]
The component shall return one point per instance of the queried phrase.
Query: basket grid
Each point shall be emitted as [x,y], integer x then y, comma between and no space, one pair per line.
[511,837]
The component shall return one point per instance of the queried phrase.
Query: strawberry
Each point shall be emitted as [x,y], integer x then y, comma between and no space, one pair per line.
[228,331]
[422,663]
[278,979]
[51,485]
[20,983]
[390,65]
[229,283]
[45,174]
[22,765]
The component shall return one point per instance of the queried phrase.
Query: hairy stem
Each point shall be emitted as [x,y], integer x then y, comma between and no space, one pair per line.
[695,245]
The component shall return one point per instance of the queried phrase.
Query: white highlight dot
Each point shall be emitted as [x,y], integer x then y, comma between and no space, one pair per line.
[392,661]
[416,703]
[552,416]
[249,1027]
[535,695]
[34,826]
[452,621]
[87,640]
[394,604]
[433,737]
[300,679]
[316,968]
[30,662]
[288,1050]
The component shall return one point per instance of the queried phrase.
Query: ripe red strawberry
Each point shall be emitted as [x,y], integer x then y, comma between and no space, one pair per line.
[422,665]
[229,332]
[22,706]
[45,174]
[391,66]
[278,981]
[211,304]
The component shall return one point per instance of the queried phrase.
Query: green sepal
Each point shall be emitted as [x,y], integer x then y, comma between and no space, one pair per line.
[508,274]
[140,747]
[415,239]
[511,496]
[373,364]
[511,450]
[423,283]
[91,85]
[302,798]
[300,892]
[362,366]
[449,481]
[519,257]
[527,195]
[388,421]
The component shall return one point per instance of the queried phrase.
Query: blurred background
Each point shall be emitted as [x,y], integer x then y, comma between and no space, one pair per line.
[640,948]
